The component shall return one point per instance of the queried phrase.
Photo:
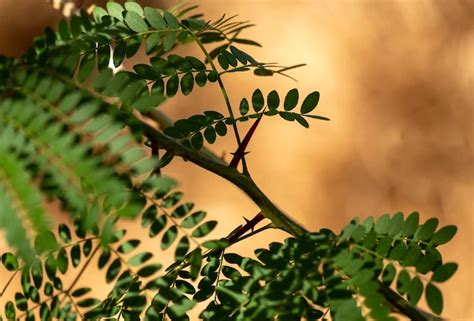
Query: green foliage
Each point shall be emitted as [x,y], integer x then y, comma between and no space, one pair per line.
[75,131]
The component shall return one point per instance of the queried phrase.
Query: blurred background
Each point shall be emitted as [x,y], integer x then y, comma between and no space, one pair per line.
[395,77]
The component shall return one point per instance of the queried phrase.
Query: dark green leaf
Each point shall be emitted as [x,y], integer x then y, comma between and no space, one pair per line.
[415,290]
[149,270]
[182,248]
[187,83]
[182,210]
[157,226]
[426,231]
[113,270]
[244,106]
[291,99]
[301,120]
[444,272]
[221,128]
[434,298]
[444,235]
[273,100]
[169,237]
[128,246]
[37,273]
[310,102]
[257,100]
[193,219]
[104,258]
[197,140]
[195,260]
[64,233]
[62,260]
[80,292]
[169,41]
[204,229]
[411,224]
[9,261]
[75,255]
[172,86]
[201,78]
[86,68]
[210,135]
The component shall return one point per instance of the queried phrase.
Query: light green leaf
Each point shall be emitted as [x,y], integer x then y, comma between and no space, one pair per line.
[135,22]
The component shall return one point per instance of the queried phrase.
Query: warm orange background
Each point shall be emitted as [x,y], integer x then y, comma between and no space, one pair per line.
[396,78]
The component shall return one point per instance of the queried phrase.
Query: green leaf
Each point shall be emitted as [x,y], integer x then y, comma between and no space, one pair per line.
[273,100]
[412,256]
[216,244]
[310,102]
[171,20]
[221,128]
[37,273]
[444,272]
[195,260]
[204,229]
[182,210]
[9,261]
[140,258]
[10,311]
[62,261]
[86,68]
[223,62]
[133,6]
[149,270]
[169,237]
[403,282]
[182,248]
[396,224]
[411,224]
[257,100]
[244,106]
[75,255]
[135,22]
[147,103]
[113,270]
[152,42]
[80,292]
[201,78]
[426,231]
[197,140]
[154,18]
[301,120]
[382,224]
[434,298]
[287,115]
[128,246]
[115,10]
[444,235]
[415,290]
[157,226]
[210,135]
[104,258]
[172,86]
[291,99]
[187,83]
[169,41]
[193,220]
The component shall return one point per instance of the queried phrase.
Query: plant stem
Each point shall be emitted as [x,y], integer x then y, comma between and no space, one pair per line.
[244,182]
[226,98]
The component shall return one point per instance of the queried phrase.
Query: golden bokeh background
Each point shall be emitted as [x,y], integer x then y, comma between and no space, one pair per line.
[395,77]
